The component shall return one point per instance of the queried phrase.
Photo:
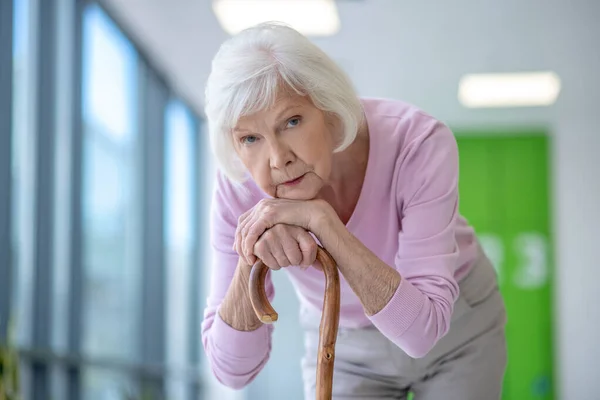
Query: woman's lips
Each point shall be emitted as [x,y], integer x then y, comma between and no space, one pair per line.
[294,181]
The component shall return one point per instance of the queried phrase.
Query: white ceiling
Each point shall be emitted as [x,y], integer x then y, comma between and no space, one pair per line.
[410,50]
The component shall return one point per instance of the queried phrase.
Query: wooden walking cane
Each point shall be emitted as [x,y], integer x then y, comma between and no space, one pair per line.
[329,319]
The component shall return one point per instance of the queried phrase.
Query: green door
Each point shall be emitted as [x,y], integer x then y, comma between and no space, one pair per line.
[504,192]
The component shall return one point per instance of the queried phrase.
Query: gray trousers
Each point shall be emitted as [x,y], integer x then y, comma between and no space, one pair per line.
[466,364]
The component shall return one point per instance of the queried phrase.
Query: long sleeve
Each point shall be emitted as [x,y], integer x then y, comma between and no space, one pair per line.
[419,312]
[235,357]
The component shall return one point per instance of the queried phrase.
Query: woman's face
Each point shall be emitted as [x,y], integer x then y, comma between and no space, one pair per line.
[288,148]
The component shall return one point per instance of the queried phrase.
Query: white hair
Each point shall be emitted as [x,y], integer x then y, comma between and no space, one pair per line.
[247,72]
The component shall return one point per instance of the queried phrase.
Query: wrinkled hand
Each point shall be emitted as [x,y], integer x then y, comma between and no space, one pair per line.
[286,245]
[269,213]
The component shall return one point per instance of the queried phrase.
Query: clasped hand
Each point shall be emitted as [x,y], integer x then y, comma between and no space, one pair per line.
[277,232]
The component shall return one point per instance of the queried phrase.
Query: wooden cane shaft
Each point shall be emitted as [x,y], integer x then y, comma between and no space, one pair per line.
[329,318]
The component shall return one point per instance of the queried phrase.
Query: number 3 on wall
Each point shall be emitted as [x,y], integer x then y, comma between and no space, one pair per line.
[532,256]
[531,251]
[494,249]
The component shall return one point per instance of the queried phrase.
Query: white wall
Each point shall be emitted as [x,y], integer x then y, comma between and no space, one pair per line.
[577,234]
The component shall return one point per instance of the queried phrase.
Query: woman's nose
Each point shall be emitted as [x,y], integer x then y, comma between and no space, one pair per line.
[281,156]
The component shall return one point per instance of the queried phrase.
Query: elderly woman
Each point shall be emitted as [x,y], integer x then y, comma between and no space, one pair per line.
[303,161]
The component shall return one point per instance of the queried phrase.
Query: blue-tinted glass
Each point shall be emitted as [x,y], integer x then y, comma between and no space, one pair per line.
[180,146]
[22,172]
[109,77]
[20,27]
[180,236]
[111,199]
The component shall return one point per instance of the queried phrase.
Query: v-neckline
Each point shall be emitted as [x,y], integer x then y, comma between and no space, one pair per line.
[358,212]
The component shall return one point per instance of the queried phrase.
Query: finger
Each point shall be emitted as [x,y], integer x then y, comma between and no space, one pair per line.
[272,263]
[242,221]
[263,251]
[242,238]
[290,245]
[276,249]
[252,232]
[261,219]
[307,246]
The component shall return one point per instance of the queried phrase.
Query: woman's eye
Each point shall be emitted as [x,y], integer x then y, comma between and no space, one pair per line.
[249,139]
[293,122]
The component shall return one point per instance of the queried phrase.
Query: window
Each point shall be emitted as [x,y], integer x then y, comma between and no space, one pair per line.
[23,171]
[180,239]
[111,200]
[103,170]
[23,188]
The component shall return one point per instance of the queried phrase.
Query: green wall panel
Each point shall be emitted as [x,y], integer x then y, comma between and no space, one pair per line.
[504,192]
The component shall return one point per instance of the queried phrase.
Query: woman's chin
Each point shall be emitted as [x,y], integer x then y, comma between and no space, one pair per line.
[296,193]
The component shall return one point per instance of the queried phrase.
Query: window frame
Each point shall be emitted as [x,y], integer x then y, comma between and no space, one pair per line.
[6,101]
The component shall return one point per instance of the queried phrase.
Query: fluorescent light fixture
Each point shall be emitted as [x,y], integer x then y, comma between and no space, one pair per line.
[509,90]
[310,17]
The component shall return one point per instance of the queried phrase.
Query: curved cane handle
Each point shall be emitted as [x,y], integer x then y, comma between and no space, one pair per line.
[329,319]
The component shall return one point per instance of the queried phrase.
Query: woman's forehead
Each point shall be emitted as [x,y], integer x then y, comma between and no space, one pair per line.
[279,109]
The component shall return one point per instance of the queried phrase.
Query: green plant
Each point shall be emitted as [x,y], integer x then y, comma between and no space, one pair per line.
[9,368]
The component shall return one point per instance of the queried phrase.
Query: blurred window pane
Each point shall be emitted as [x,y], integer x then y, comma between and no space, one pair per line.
[102,384]
[111,201]
[180,237]
[23,169]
